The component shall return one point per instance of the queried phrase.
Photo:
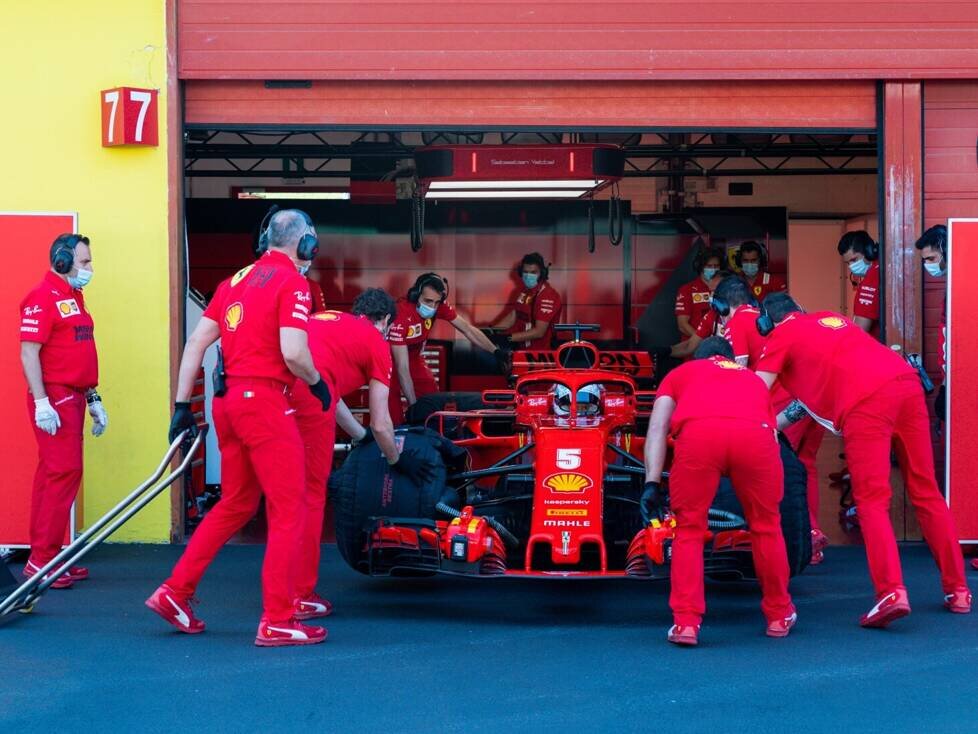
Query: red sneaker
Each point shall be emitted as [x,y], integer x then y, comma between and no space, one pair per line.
[781,627]
[820,542]
[312,606]
[684,634]
[175,609]
[974,563]
[888,608]
[78,573]
[958,601]
[289,632]
[64,582]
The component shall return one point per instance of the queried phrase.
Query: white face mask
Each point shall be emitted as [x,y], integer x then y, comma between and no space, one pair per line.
[83,278]
[304,268]
[935,269]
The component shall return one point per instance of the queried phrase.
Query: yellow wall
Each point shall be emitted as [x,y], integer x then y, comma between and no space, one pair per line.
[56,56]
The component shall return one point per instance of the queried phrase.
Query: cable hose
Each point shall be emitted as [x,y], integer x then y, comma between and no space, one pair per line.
[723,520]
[417,219]
[616,222]
[508,538]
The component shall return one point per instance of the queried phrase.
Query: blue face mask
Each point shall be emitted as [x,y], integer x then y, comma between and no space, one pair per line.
[530,280]
[859,267]
[935,269]
[426,312]
[83,278]
[751,269]
[303,269]
[708,273]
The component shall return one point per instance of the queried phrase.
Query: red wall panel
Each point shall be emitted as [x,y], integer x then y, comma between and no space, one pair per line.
[617,104]
[560,39]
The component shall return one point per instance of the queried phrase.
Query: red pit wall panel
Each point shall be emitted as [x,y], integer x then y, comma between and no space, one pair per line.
[620,104]
[553,40]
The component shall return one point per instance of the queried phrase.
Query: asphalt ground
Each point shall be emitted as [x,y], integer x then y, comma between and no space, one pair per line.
[467,655]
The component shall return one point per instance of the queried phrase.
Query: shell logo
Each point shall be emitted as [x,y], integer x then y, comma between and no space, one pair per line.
[64,307]
[327,316]
[238,276]
[728,365]
[567,482]
[234,315]
[833,322]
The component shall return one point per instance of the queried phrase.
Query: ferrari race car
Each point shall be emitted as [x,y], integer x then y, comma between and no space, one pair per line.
[539,481]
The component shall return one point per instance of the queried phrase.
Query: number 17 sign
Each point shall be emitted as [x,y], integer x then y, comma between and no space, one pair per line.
[129,117]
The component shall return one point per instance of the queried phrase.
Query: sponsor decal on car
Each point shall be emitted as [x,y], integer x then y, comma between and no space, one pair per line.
[567,482]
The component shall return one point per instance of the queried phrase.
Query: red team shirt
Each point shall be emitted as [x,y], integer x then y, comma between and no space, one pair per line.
[765,284]
[716,388]
[53,314]
[411,331]
[540,303]
[693,300]
[866,301]
[805,350]
[747,342]
[251,307]
[348,351]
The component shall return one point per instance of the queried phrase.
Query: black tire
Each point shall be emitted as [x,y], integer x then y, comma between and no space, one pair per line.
[418,413]
[365,487]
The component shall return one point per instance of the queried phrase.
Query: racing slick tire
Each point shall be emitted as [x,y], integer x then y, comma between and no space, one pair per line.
[365,488]
[795,522]
[418,413]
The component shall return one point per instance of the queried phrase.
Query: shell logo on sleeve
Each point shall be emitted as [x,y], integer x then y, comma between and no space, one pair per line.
[327,316]
[833,322]
[233,316]
[68,307]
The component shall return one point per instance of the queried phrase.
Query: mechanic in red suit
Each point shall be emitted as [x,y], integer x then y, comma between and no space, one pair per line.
[735,306]
[693,298]
[860,252]
[859,388]
[426,301]
[350,351]
[752,259]
[720,416]
[261,315]
[57,351]
[536,308]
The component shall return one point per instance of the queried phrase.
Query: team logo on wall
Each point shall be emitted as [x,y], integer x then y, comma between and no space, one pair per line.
[68,307]
[833,322]
[238,276]
[567,482]
[327,316]
[234,315]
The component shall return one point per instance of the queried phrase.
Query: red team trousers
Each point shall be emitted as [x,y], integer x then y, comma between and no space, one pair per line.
[59,472]
[318,432]
[896,415]
[261,453]
[705,450]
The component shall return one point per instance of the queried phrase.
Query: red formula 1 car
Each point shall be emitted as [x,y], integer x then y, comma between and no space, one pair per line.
[543,482]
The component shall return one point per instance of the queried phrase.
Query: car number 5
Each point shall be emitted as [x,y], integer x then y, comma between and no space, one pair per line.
[568,458]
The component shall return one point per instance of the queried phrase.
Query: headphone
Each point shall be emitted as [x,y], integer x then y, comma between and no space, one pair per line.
[308,246]
[424,280]
[861,242]
[534,258]
[722,306]
[764,323]
[760,248]
[62,254]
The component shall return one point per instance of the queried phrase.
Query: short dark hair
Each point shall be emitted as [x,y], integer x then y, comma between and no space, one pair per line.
[535,258]
[734,291]
[286,227]
[705,254]
[935,237]
[753,246]
[859,241]
[779,305]
[714,346]
[374,303]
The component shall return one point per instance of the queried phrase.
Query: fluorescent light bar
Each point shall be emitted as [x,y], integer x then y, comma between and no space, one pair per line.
[512,194]
[480,185]
[334,195]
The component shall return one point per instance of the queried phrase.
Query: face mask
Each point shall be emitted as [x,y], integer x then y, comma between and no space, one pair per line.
[530,280]
[750,269]
[935,269]
[303,269]
[426,312]
[83,278]
[708,273]
[859,267]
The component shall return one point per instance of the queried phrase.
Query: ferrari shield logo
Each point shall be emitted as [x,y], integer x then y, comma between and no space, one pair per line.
[833,322]
[233,316]
[567,482]
[239,276]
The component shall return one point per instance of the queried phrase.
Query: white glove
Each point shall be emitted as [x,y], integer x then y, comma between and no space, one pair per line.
[100,419]
[45,417]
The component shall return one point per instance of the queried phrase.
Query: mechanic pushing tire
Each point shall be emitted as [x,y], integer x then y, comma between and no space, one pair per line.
[795,521]
[418,413]
[365,487]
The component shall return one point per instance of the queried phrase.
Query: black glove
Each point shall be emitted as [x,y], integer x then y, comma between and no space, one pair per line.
[653,502]
[940,403]
[659,352]
[504,358]
[368,437]
[182,419]
[413,466]
[321,391]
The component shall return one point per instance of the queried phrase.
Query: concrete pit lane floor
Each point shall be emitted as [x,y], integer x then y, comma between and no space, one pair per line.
[462,655]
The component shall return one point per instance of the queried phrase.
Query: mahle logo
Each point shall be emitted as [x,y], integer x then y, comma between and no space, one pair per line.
[567,482]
